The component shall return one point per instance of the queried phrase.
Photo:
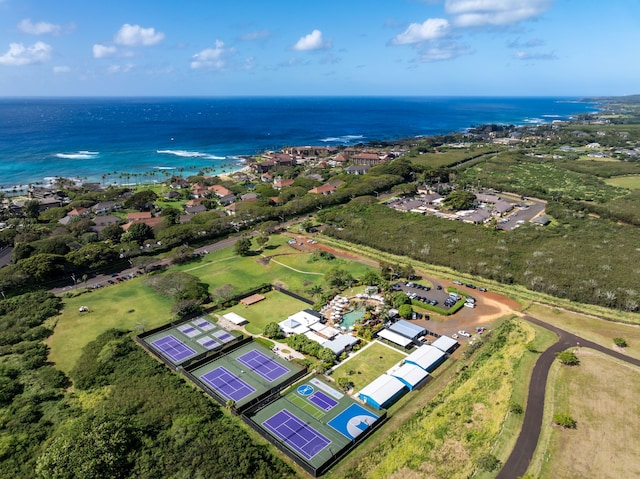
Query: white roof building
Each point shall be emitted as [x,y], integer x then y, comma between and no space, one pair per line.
[235,318]
[445,343]
[410,374]
[340,343]
[382,391]
[427,357]
[298,323]
[394,337]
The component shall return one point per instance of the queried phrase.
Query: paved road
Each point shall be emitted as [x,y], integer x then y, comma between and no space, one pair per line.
[519,460]
[103,279]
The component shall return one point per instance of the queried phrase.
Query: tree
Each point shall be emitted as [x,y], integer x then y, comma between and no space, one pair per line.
[31,209]
[142,200]
[344,383]
[171,214]
[568,358]
[112,233]
[138,232]
[370,278]
[338,277]
[460,200]
[182,254]
[42,266]
[273,331]
[243,246]
[405,311]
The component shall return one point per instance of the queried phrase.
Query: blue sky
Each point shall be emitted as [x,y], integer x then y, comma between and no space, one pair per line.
[298,47]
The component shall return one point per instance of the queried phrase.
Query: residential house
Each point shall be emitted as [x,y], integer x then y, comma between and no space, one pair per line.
[325,189]
[357,169]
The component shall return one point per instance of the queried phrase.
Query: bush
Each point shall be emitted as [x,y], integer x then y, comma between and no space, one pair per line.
[564,420]
[489,462]
[516,408]
[620,342]
[568,358]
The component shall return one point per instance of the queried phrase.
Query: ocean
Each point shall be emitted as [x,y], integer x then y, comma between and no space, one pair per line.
[131,140]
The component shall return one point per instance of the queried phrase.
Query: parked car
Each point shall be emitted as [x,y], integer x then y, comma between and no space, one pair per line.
[455,281]
[462,332]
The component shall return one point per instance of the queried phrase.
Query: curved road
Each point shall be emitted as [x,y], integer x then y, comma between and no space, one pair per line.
[520,457]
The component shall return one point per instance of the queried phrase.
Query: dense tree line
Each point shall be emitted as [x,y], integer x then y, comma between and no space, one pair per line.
[584,258]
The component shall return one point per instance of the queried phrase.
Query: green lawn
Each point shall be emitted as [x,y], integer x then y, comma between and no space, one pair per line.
[128,305]
[275,308]
[368,364]
[631,182]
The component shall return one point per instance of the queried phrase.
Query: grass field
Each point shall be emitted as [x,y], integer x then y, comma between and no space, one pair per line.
[275,307]
[631,182]
[597,330]
[447,157]
[601,395]
[368,364]
[127,305]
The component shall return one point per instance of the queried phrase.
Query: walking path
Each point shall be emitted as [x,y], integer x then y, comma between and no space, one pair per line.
[518,462]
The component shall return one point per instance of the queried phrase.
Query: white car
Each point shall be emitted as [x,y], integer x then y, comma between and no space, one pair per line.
[464,333]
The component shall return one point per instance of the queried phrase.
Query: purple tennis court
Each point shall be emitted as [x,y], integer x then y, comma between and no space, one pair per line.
[323,401]
[263,365]
[227,384]
[173,348]
[296,434]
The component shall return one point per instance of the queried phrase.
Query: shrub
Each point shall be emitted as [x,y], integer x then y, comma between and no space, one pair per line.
[489,462]
[620,342]
[568,358]
[516,408]
[564,420]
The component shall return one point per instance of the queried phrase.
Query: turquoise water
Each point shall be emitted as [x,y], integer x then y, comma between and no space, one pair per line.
[349,319]
[126,140]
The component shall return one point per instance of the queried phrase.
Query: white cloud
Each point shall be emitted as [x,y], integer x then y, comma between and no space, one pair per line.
[103,51]
[443,52]
[19,55]
[431,29]
[40,28]
[478,13]
[61,69]
[534,56]
[120,68]
[211,58]
[135,35]
[312,41]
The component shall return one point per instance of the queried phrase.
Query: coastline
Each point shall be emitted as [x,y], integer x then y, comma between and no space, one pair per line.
[145,142]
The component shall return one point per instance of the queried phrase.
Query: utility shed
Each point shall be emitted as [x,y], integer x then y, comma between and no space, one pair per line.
[382,391]
[407,329]
[427,357]
[445,343]
[396,338]
[410,374]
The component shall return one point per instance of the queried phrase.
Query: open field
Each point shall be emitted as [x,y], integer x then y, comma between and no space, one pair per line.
[449,433]
[601,395]
[597,330]
[631,182]
[128,305]
[368,364]
[447,157]
[275,307]
[521,376]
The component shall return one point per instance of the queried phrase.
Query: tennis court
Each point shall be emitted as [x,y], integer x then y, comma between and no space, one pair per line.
[298,435]
[188,340]
[227,384]
[261,364]
[314,422]
[250,369]
[173,348]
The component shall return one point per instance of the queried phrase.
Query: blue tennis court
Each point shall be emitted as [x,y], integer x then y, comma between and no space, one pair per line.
[263,365]
[323,401]
[227,384]
[222,335]
[296,434]
[173,348]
